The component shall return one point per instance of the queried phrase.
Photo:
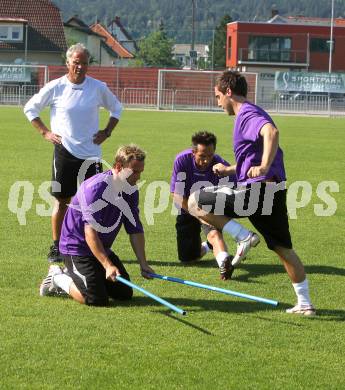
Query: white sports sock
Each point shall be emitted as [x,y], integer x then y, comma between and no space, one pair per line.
[205,246]
[236,230]
[302,292]
[221,257]
[63,281]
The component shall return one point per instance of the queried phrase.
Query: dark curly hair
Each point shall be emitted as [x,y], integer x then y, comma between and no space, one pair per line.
[203,138]
[234,81]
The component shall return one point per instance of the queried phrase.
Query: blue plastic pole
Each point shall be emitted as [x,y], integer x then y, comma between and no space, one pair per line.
[217,289]
[155,297]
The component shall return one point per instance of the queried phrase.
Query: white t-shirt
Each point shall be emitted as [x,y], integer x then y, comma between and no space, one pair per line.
[74,112]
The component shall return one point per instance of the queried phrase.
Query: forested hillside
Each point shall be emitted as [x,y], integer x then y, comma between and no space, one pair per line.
[143,16]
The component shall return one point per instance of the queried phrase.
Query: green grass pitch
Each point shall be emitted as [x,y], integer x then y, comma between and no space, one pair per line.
[224,342]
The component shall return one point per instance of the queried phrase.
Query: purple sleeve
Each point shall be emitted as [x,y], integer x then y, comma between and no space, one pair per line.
[252,124]
[88,198]
[133,201]
[178,167]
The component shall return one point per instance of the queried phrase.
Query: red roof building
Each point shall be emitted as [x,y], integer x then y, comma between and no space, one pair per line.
[121,51]
[118,31]
[31,29]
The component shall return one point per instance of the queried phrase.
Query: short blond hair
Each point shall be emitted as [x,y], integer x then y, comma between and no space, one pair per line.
[126,153]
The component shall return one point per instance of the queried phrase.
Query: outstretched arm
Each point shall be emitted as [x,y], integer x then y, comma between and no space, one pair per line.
[97,248]
[138,244]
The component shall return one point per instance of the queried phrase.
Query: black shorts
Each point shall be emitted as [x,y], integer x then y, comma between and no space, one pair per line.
[89,276]
[264,204]
[65,170]
[188,238]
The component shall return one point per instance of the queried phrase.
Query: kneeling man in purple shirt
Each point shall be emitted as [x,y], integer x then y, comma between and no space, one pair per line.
[93,220]
[193,170]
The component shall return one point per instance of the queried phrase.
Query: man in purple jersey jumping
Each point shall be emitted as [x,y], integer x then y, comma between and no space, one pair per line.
[193,170]
[92,222]
[261,192]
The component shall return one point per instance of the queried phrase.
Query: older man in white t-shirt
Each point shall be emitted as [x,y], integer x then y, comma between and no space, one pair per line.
[74,100]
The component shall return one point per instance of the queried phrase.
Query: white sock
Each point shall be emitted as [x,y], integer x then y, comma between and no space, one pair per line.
[302,292]
[205,246]
[236,230]
[221,257]
[63,281]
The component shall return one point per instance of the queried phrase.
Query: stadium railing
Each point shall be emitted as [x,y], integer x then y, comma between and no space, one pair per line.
[190,100]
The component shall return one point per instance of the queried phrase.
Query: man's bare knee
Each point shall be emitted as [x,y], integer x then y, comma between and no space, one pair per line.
[286,254]
[214,236]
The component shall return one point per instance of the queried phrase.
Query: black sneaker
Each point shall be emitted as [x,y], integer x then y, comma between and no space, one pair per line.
[227,269]
[54,255]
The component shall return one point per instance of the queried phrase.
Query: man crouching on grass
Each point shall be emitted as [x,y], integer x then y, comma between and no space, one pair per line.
[93,220]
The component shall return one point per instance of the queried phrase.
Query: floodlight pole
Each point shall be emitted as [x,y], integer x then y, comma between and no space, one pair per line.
[26,43]
[193,35]
[213,34]
[331,40]
[193,25]
[330,55]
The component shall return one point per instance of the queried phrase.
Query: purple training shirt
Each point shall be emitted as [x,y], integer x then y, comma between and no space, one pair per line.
[248,145]
[105,204]
[187,177]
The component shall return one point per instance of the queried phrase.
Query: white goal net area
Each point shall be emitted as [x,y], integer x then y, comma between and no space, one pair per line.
[193,90]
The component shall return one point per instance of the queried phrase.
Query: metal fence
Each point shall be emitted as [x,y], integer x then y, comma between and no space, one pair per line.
[139,97]
[183,99]
[308,104]
[169,99]
[12,94]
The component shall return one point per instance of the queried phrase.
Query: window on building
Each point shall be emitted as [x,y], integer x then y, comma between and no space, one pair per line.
[9,32]
[320,45]
[3,32]
[269,49]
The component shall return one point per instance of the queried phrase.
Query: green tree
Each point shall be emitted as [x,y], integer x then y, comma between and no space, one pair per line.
[139,16]
[157,49]
[218,52]
[203,64]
